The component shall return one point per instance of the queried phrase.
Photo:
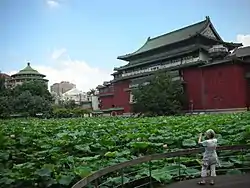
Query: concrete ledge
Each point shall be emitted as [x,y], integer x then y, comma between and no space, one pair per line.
[223,181]
[209,111]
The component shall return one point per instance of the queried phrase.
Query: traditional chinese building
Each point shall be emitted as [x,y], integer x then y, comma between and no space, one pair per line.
[26,74]
[215,73]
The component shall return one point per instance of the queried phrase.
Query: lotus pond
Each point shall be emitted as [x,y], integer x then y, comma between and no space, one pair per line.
[59,152]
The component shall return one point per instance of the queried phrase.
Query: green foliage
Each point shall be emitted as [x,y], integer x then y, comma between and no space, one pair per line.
[6,106]
[28,99]
[36,88]
[2,83]
[70,104]
[62,112]
[57,153]
[161,96]
[91,92]
[31,104]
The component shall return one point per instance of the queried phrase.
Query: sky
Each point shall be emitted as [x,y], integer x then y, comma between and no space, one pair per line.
[79,40]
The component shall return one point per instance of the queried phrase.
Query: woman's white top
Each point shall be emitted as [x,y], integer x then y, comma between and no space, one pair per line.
[210,155]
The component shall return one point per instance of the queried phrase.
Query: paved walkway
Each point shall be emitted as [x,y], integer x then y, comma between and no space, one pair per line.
[225,181]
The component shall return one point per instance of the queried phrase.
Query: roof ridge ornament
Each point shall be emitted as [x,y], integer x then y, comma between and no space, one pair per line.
[28,63]
[148,38]
[207,18]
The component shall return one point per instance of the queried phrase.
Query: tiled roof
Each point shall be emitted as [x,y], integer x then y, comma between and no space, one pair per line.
[242,52]
[177,36]
[28,70]
[172,37]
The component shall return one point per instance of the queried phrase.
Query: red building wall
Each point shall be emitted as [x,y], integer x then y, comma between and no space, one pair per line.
[227,88]
[106,101]
[247,71]
[216,87]
[121,96]
[193,88]
[222,86]
[106,96]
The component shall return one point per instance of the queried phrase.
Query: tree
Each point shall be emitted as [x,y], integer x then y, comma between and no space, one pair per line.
[2,84]
[30,105]
[27,99]
[162,96]
[69,104]
[6,106]
[91,92]
[38,105]
[36,88]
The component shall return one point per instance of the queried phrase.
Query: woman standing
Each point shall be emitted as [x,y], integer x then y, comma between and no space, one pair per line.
[210,158]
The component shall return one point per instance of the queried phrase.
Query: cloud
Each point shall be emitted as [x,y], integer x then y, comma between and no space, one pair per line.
[57,53]
[52,3]
[244,39]
[63,68]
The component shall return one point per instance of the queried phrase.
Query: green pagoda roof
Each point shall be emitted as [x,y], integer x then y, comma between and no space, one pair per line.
[28,70]
[174,37]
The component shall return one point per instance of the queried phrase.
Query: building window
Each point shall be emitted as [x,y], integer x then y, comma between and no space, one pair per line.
[131,98]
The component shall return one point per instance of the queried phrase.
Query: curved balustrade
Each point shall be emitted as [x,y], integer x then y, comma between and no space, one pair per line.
[93,178]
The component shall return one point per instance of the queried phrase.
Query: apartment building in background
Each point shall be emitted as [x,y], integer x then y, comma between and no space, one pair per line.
[62,87]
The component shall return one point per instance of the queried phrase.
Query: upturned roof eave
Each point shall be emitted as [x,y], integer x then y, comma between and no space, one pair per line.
[205,22]
[231,44]
[183,52]
[214,30]
[127,57]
